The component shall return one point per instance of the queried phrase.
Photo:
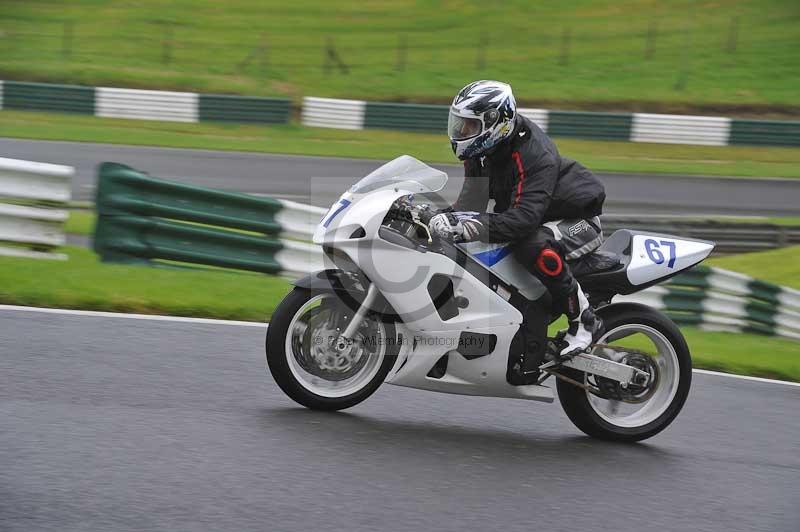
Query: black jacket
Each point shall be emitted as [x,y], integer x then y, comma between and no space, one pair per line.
[530,183]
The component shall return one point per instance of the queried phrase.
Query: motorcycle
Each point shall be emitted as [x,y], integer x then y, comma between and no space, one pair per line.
[394,304]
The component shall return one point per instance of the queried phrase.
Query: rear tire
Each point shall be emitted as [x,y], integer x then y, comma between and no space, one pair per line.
[299,384]
[576,401]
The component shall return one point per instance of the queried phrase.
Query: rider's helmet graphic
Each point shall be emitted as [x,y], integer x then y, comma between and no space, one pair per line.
[482,115]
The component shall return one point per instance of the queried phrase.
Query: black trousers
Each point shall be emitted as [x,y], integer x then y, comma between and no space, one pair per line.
[545,253]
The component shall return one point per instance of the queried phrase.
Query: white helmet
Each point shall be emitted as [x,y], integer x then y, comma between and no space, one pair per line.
[481,115]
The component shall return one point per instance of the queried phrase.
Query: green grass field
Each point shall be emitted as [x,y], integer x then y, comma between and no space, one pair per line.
[80,222]
[83,282]
[779,266]
[608,156]
[676,56]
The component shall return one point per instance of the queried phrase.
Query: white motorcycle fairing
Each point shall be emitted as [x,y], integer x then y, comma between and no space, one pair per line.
[402,276]
[403,272]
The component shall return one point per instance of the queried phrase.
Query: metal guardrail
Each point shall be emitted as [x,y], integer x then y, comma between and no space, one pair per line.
[721,300]
[142,219]
[146,105]
[32,197]
[676,129]
[633,127]
[143,104]
[359,114]
[333,113]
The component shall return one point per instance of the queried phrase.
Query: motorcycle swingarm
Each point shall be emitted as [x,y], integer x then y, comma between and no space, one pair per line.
[601,367]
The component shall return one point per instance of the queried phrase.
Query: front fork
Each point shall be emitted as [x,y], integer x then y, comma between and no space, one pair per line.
[346,337]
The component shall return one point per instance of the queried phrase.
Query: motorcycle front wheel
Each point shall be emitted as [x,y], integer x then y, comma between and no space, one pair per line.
[304,362]
[631,414]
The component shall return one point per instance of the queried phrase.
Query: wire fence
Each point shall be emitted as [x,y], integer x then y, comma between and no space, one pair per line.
[165,45]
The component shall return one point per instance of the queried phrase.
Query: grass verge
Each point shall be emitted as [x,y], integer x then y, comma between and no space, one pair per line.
[779,266]
[80,222]
[603,156]
[84,283]
[745,354]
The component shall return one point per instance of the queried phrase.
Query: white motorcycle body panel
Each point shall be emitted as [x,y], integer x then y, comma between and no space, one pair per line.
[402,275]
[499,258]
[654,257]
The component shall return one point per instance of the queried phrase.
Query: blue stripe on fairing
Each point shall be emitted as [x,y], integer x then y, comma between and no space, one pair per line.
[493,256]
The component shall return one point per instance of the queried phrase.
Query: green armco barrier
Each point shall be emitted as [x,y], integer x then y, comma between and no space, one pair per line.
[766,294]
[122,190]
[223,108]
[723,300]
[47,97]
[138,239]
[697,277]
[697,320]
[765,132]
[604,126]
[410,117]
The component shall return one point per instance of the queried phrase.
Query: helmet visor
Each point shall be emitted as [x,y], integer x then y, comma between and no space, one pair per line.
[461,128]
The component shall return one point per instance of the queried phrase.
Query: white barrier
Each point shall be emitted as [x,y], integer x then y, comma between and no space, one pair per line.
[34,229]
[298,220]
[146,105]
[677,129]
[539,116]
[329,112]
[728,301]
[299,258]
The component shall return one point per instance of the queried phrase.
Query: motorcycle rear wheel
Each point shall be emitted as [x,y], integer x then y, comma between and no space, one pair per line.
[657,407]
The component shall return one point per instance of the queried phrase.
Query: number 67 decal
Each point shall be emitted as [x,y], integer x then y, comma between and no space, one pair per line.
[654,251]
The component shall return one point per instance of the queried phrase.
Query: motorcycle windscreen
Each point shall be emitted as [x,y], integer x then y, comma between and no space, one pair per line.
[404,172]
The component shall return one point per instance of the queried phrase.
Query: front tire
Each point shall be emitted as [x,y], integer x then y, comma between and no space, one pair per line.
[665,400]
[305,365]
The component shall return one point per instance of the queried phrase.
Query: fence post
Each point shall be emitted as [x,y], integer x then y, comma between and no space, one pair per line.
[260,52]
[402,53]
[66,40]
[264,55]
[331,57]
[483,45]
[683,74]
[733,35]
[566,37]
[652,36]
[166,45]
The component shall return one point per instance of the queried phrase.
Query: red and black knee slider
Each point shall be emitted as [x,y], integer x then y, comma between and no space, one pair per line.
[550,263]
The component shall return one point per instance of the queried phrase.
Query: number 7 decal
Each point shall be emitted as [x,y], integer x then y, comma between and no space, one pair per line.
[671,245]
[343,203]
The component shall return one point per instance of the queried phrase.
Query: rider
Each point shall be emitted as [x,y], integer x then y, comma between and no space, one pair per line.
[545,204]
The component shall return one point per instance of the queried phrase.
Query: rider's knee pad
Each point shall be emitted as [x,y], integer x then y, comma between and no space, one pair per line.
[549,262]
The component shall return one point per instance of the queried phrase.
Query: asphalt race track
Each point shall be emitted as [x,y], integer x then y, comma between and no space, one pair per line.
[314,179]
[126,424]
